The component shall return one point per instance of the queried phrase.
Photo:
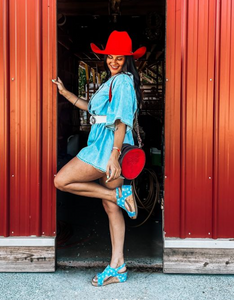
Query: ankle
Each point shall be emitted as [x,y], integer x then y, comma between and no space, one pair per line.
[115,263]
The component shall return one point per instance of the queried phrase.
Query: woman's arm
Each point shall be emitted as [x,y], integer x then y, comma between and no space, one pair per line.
[113,169]
[78,102]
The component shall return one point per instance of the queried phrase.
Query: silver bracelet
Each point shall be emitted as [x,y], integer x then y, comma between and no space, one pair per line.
[76,101]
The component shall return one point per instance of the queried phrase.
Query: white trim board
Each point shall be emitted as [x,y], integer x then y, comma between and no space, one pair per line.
[27,241]
[199,243]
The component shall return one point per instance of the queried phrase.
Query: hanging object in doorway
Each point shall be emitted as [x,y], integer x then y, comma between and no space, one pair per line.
[147,184]
[61,20]
[114,9]
[153,26]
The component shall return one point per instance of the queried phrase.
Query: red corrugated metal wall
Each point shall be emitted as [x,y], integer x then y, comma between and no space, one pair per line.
[199,123]
[27,117]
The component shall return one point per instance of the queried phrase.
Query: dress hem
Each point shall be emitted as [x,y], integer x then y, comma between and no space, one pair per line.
[95,167]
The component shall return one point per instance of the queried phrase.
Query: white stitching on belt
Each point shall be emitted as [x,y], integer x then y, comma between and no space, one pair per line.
[97,119]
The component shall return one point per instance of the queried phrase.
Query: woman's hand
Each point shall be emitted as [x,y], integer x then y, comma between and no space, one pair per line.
[77,101]
[113,169]
[61,88]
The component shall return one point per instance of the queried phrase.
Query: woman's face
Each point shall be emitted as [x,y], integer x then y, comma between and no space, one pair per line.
[115,63]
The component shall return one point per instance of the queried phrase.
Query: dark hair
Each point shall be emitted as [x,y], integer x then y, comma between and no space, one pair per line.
[129,66]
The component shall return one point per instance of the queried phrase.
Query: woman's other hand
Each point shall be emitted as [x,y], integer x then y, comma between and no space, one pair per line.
[61,88]
[113,169]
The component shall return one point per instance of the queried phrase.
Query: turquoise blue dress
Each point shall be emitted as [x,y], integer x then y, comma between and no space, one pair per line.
[122,107]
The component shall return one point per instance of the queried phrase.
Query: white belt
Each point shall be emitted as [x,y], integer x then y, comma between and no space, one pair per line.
[97,119]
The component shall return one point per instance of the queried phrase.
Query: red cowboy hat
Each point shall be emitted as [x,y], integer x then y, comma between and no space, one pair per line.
[119,43]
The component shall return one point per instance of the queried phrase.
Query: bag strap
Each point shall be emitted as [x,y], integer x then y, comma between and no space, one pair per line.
[140,144]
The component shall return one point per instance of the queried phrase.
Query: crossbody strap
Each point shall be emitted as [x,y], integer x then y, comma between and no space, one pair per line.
[140,144]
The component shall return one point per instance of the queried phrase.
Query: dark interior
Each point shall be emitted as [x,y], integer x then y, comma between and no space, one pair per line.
[82,225]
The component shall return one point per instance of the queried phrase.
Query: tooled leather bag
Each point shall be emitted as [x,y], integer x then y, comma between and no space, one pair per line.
[132,158]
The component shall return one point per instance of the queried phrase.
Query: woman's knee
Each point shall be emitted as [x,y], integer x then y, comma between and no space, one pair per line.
[110,207]
[60,183]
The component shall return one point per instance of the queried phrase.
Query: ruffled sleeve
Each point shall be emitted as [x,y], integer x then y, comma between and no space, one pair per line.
[123,104]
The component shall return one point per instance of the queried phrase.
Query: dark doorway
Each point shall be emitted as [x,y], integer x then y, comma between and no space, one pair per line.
[83,234]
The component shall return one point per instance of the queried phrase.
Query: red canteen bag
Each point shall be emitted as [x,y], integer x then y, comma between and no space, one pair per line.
[132,161]
[132,158]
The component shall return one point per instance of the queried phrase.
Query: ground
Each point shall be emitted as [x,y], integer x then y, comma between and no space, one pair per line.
[73,283]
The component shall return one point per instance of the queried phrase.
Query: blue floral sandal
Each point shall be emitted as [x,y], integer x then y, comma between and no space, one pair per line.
[110,275]
[121,201]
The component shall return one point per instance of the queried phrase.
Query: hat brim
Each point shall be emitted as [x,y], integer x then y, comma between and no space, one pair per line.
[96,49]
[137,54]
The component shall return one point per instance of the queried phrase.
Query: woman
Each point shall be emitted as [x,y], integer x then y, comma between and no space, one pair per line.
[112,124]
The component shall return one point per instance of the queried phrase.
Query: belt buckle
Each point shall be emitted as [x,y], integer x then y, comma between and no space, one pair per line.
[92,120]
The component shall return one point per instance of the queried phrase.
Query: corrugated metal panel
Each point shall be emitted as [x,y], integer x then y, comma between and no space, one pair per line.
[199,196]
[173,119]
[30,121]
[49,112]
[4,119]
[224,122]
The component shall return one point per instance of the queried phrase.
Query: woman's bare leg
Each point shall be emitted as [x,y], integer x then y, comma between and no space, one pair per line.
[76,177]
[116,225]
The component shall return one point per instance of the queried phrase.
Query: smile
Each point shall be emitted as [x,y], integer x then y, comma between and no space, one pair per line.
[114,67]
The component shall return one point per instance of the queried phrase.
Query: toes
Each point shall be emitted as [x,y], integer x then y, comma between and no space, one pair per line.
[129,204]
[120,192]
